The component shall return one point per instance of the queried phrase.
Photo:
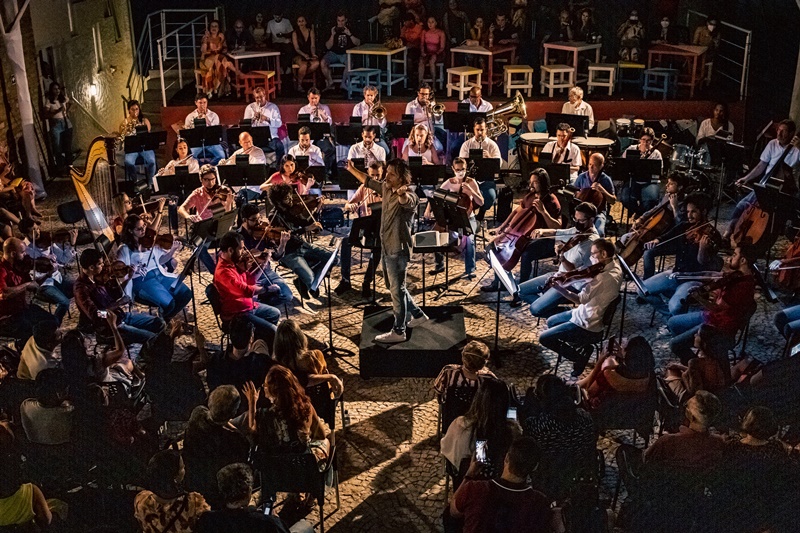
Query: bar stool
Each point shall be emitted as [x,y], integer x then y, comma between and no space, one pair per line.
[607,76]
[636,68]
[259,78]
[526,81]
[661,80]
[557,77]
[358,78]
[462,84]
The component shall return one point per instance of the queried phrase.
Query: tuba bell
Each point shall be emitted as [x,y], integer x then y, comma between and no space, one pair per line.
[496,120]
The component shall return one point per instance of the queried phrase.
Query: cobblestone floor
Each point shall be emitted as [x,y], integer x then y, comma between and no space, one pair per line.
[391,476]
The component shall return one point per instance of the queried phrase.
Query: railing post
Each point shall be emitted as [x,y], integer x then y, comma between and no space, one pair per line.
[161,70]
[150,43]
[164,30]
[194,47]
[180,67]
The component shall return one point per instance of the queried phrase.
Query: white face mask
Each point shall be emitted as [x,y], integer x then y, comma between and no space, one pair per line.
[634,19]
[594,260]
[664,23]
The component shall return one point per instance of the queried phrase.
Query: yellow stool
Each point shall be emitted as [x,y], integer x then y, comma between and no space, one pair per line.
[462,84]
[510,83]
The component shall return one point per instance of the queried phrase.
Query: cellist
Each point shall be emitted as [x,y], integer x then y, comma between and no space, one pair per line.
[595,179]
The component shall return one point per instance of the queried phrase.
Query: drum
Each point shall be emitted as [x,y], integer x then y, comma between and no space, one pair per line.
[697,182]
[530,146]
[590,145]
[702,158]
[638,128]
[681,156]
[623,126]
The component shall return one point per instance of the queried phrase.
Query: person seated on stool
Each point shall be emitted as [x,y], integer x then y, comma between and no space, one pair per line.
[215,151]
[420,107]
[480,141]
[574,254]
[461,184]
[594,178]
[564,151]
[476,105]
[364,108]
[237,289]
[278,290]
[148,157]
[304,148]
[320,113]
[571,334]
[578,106]
[263,113]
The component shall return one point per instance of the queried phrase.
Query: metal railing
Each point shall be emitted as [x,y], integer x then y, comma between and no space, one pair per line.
[732,60]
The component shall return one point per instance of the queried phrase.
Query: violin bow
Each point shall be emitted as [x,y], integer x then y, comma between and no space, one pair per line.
[221,185]
[152,248]
[708,223]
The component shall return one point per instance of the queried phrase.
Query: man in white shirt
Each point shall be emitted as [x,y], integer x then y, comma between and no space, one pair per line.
[255,153]
[280,31]
[479,141]
[573,247]
[215,151]
[476,103]
[577,106]
[320,113]
[419,108]
[572,334]
[367,149]
[363,109]
[305,148]
[37,354]
[564,151]
[640,197]
[264,113]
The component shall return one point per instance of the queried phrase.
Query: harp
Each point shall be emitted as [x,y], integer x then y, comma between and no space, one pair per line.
[96,186]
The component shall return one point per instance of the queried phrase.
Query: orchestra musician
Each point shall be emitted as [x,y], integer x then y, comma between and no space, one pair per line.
[360,205]
[595,179]
[237,288]
[320,113]
[713,126]
[128,127]
[122,206]
[695,243]
[578,106]
[573,254]
[476,105]
[548,216]
[277,290]
[215,151]
[306,260]
[421,108]
[256,154]
[636,197]
[564,151]
[468,189]
[94,293]
[56,287]
[305,148]
[151,282]
[420,144]
[397,214]
[287,176]
[771,154]
[185,158]
[728,302]
[367,149]
[480,141]
[263,113]
[364,109]
[17,316]
[572,334]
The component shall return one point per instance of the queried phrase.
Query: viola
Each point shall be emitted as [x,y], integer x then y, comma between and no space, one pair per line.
[510,245]
[564,278]
[695,235]
[645,231]
[41,266]
[114,271]
[162,240]
[265,231]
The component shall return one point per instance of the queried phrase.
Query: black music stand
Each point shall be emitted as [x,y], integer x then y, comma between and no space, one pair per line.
[239,175]
[635,170]
[403,129]
[427,175]
[457,121]
[144,141]
[262,135]
[318,129]
[348,133]
[559,173]
[637,282]
[347,181]
[579,123]
[365,233]
[484,168]
[452,217]
[178,184]
[511,286]
[330,350]
[201,136]
[319,173]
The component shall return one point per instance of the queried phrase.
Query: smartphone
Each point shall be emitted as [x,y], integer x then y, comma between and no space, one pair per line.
[480,451]
[512,414]
[102,314]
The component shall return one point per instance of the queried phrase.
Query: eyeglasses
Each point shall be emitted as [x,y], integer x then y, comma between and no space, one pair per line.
[208,179]
[575,219]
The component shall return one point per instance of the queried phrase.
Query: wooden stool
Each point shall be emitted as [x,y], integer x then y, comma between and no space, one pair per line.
[259,78]
[636,68]
[557,77]
[358,78]
[661,80]
[462,84]
[602,81]
[526,83]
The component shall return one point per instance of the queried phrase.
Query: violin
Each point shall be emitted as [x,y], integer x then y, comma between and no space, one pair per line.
[250,260]
[695,235]
[265,231]
[703,292]
[41,266]
[219,197]
[564,278]
[162,240]
[114,271]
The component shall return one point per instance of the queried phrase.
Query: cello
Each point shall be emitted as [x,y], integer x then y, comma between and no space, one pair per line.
[510,244]
[656,224]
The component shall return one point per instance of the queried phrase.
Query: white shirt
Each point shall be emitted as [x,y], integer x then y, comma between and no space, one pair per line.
[145,261]
[596,296]
[359,151]
[773,152]
[582,109]
[52,106]
[707,130]
[493,151]
[212,119]
[580,254]
[315,157]
[361,109]
[420,113]
[268,110]
[308,109]
[274,28]
[570,156]
[257,157]
[427,154]
[169,170]
[485,106]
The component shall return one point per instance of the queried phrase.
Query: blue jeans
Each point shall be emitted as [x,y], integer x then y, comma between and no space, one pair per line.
[346,262]
[394,272]
[542,305]
[788,321]
[264,319]
[284,294]
[567,339]
[148,157]
[59,294]
[683,328]
[61,141]
[306,262]
[154,289]
[214,151]
[638,198]
[209,262]
[469,250]
[489,191]
[139,328]
[677,292]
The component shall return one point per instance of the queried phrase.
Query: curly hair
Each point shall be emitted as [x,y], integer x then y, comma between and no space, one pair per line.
[290,400]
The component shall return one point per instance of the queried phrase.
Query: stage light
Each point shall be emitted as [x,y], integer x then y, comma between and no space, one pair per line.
[93,90]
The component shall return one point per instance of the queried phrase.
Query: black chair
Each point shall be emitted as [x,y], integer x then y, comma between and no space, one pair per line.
[325,406]
[72,213]
[608,320]
[669,408]
[628,411]
[298,473]
[629,461]
[454,403]
[216,305]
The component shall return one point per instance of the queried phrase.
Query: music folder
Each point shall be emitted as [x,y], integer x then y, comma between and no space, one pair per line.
[349,182]
[579,122]
[262,135]
[203,135]
[242,175]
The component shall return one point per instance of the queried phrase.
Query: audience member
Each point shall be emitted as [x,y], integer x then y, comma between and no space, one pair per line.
[37,354]
[280,30]
[111,365]
[631,35]
[433,42]
[709,370]
[502,32]
[214,64]
[304,42]
[626,369]
[340,40]
[47,418]
[239,38]
[309,367]
[411,34]
[21,504]
[56,109]
[245,358]
[259,31]
[666,32]
[585,28]
[456,23]
[474,358]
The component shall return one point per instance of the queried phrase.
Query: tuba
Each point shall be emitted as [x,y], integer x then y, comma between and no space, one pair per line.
[496,121]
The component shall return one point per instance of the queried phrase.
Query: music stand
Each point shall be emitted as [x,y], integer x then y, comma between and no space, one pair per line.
[365,233]
[637,282]
[262,135]
[202,136]
[558,172]
[144,141]
[452,217]
[403,129]
[330,350]
[511,286]
[245,175]
[486,168]
[579,122]
[426,175]
[177,184]
[318,129]
[348,133]
[347,181]
[318,172]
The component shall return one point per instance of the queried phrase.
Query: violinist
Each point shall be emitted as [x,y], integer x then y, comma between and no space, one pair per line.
[468,189]
[56,287]
[305,148]
[770,156]
[215,151]
[151,283]
[256,154]
[303,258]
[573,247]
[278,290]
[597,180]
[289,176]
[564,151]
[728,302]
[17,316]
[572,334]
[123,205]
[695,244]
[185,158]
[359,205]
[96,290]
[639,197]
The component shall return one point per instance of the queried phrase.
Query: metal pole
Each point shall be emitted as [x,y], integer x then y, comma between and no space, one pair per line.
[194,47]
[150,42]
[161,70]
[180,67]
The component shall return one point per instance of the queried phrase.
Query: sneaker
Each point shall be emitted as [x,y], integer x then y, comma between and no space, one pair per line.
[469,276]
[301,289]
[343,288]
[418,321]
[516,301]
[492,287]
[391,337]
[579,366]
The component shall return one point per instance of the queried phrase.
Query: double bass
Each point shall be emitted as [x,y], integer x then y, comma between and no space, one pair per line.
[510,244]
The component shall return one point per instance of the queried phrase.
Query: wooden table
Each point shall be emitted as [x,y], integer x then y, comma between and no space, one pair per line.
[575,48]
[495,50]
[380,51]
[241,54]
[685,51]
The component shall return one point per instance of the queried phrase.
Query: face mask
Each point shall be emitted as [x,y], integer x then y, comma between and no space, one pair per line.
[664,23]
[634,19]
[594,260]
[582,225]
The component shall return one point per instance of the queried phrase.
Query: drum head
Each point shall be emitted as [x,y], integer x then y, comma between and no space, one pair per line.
[680,155]
[703,158]
[534,137]
[697,182]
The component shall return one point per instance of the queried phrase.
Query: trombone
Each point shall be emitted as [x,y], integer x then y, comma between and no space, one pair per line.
[377,111]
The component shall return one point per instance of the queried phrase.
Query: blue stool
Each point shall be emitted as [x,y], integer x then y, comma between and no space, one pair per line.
[358,78]
[661,80]
[637,69]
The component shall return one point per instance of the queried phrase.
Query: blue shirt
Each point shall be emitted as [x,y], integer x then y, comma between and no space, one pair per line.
[583,181]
